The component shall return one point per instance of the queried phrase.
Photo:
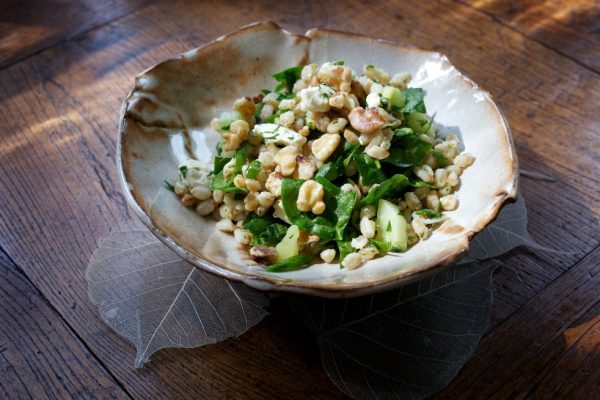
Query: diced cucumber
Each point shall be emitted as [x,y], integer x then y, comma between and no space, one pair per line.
[420,123]
[391,226]
[394,95]
[288,247]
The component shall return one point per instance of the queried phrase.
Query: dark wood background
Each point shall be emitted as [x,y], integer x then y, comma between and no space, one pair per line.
[65,67]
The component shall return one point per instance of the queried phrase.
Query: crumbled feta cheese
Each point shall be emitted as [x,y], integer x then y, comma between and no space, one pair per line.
[315,98]
[197,173]
[277,134]
[373,100]
[279,212]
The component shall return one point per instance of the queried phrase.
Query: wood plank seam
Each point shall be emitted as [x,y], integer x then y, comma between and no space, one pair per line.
[76,36]
[500,21]
[103,160]
[570,285]
[541,290]
[564,352]
[20,271]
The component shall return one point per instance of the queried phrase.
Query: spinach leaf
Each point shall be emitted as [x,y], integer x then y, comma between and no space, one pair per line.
[220,146]
[287,78]
[440,159]
[334,169]
[259,108]
[266,230]
[408,150]
[328,171]
[293,263]
[369,169]
[344,248]
[317,225]
[338,204]
[219,164]
[414,101]
[417,183]
[387,188]
[241,155]
[255,223]
[383,247]
[218,182]
[283,96]
[401,134]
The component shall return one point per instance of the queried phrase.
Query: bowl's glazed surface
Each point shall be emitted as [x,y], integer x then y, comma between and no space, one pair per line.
[166,118]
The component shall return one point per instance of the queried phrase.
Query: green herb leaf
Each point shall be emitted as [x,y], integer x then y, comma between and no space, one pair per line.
[344,248]
[402,134]
[328,171]
[259,108]
[388,188]
[219,164]
[407,149]
[339,62]
[428,213]
[369,169]
[317,225]
[421,184]
[218,182]
[338,205]
[383,247]
[414,101]
[334,169]
[220,146]
[266,230]
[287,78]
[241,155]
[283,96]
[440,159]
[291,264]
[170,187]
[253,169]
[182,172]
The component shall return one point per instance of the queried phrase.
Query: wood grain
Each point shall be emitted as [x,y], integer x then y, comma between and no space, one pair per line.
[528,344]
[39,24]
[59,110]
[575,373]
[40,357]
[572,27]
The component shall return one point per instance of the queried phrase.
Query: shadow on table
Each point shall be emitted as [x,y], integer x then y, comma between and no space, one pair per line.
[543,344]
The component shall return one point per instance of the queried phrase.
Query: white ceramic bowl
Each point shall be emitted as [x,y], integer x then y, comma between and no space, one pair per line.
[166,118]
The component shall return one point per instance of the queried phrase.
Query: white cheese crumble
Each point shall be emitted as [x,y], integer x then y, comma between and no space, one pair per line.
[316,98]
[197,173]
[278,134]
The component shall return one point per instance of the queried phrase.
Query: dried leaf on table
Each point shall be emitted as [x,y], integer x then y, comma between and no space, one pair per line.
[155,299]
[406,343]
[507,231]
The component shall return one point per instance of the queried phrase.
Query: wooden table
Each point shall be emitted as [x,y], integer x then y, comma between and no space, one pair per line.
[65,67]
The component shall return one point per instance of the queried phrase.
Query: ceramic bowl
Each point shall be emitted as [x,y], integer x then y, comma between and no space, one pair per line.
[165,120]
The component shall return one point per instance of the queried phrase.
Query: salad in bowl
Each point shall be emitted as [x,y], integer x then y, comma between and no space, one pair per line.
[328,163]
[331,163]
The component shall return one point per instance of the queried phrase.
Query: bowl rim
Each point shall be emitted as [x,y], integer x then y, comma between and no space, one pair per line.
[268,283]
